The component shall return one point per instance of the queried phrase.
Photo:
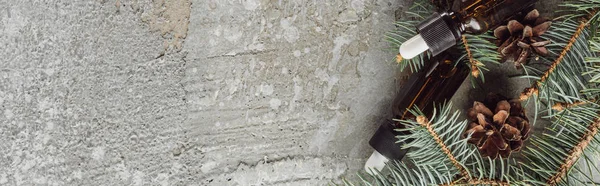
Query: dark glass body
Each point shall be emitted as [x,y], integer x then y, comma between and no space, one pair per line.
[435,84]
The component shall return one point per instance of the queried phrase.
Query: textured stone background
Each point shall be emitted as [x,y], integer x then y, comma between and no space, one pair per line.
[204,92]
[216,92]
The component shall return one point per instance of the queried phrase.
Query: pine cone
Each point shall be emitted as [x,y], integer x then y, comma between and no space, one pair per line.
[519,39]
[500,131]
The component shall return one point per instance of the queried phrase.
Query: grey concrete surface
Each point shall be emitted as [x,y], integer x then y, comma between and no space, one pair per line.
[203,92]
[209,92]
[287,92]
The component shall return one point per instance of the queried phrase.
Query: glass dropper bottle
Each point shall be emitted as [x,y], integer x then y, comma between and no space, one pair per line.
[443,30]
[435,83]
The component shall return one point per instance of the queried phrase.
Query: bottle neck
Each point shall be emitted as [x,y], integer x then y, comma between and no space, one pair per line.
[439,31]
[479,16]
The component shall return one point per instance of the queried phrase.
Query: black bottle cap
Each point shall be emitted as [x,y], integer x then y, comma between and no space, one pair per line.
[439,32]
[384,141]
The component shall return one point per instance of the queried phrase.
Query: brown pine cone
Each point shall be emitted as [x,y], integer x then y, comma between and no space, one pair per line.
[498,131]
[519,39]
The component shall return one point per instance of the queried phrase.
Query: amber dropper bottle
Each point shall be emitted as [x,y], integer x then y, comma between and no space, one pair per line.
[435,83]
[443,30]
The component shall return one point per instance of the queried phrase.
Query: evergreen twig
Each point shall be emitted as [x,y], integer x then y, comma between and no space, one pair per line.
[477,52]
[534,89]
[474,63]
[576,152]
[477,181]
[423,121]
[560,106]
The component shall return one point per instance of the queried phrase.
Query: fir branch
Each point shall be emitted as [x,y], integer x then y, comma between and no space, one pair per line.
[487,182]
[576,152]
[477,181]
[572,133]
[437,148]
[560,106]
[588,110]
[423,121]
[477,52]
[474,63]
[573,53]
[534,89]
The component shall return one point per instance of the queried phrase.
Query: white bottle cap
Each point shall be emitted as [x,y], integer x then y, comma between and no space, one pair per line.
[413,47]
[375,162]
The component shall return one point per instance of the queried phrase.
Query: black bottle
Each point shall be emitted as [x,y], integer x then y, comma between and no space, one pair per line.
[435,83]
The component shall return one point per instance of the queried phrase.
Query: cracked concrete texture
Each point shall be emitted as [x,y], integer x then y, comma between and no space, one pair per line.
[205,92]
[287,92]
[85,100]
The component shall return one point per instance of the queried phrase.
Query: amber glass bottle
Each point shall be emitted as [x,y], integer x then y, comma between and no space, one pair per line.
[425,88]
[435,83]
